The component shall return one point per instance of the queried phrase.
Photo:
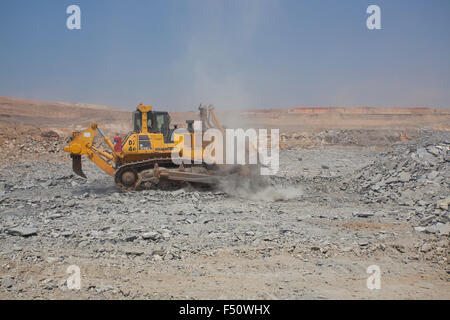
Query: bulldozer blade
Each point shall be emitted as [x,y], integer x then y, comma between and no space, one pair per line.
[189,177]
[76,165]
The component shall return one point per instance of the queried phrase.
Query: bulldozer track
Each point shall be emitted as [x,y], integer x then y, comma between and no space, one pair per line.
[136,167]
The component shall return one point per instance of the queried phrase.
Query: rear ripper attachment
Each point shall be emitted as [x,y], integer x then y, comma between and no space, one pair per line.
[76,165]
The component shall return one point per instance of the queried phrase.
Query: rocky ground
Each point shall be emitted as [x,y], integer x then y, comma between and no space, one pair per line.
[329,214]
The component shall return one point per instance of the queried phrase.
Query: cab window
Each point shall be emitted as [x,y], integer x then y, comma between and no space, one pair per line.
[160,121]
[137,121]
[149,121]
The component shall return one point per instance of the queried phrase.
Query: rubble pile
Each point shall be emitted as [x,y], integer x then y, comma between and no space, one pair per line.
[343,137]
[415,174]
[22,143]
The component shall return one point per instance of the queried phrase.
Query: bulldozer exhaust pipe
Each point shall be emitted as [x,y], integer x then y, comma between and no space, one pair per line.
[76,165]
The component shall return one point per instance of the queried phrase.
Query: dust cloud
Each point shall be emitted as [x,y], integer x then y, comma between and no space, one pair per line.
[258,188]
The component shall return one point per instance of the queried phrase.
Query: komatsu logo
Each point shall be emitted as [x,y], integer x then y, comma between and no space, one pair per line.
[164,149]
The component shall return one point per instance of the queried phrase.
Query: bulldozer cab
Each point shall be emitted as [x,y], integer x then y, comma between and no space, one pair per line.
[152,122]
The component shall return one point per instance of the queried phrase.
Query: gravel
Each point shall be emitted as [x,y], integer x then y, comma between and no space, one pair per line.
[415,175]
[333,203]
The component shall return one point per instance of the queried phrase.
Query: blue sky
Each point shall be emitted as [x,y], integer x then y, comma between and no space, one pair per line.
[176,54]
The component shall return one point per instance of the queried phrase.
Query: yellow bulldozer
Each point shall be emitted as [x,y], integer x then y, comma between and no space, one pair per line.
[143,158]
